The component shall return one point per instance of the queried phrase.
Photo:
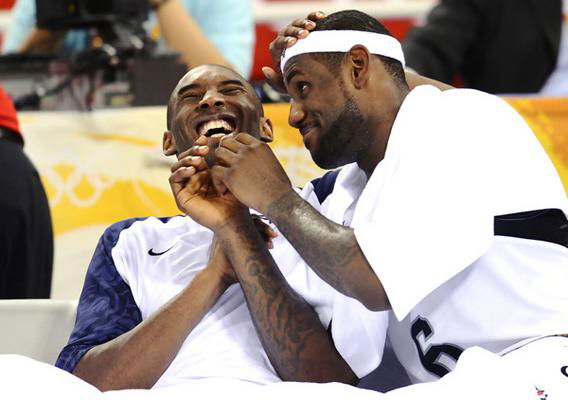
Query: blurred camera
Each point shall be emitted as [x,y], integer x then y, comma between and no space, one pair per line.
[70,14]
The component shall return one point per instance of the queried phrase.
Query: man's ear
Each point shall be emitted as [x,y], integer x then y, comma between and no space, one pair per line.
[358,60]
[266,130]
[169,144]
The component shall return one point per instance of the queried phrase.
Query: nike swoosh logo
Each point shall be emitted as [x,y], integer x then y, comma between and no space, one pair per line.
[152,253]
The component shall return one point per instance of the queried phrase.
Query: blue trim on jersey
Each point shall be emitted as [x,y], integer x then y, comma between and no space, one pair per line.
[324,185]
[106,307]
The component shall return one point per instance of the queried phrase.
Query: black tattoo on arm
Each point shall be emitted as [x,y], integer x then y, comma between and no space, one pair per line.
[298,346]
[330,249]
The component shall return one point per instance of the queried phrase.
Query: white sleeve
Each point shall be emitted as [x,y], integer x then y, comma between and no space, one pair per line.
[358,334]
[453,163]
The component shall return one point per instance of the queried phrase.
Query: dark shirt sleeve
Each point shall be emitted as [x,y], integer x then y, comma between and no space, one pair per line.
[106,307]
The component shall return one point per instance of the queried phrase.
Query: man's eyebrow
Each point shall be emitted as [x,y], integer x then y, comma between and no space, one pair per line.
[193,86]
[290,75]
[233,82]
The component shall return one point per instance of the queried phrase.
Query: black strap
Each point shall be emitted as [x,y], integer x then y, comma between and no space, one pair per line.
[549,225]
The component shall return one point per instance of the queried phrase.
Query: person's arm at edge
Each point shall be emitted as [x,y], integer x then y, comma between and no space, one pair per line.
[137,358]
[182,33]
[330,249]
[299,347]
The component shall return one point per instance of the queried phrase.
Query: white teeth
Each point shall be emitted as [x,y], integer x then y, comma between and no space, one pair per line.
[215,124]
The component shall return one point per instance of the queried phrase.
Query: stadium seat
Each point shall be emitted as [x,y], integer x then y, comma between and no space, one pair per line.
[36,328]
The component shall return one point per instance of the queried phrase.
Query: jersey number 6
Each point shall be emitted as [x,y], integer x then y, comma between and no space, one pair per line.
[431,356]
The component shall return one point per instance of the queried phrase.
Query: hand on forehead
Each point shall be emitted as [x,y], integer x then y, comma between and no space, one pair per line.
[340,33]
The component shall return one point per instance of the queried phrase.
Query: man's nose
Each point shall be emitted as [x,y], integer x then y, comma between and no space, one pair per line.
[211,100]
[296,114]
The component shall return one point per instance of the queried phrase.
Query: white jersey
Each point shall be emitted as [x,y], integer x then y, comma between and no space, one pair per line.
[139,265]
[446,221]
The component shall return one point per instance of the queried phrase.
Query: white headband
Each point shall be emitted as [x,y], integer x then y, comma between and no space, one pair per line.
[342,42]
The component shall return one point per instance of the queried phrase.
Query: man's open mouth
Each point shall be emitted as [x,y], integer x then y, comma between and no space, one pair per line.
[215,126]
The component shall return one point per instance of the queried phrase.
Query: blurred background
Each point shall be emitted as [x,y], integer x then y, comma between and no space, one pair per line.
[90,80]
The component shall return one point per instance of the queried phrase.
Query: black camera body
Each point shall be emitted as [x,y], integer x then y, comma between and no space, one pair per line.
[70,14]
[118,51]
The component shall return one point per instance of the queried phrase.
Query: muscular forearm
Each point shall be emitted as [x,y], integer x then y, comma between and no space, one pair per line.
[139,357]
[330,249]
[182,33]
[298,346]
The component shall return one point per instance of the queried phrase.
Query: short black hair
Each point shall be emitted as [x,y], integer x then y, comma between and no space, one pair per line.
[355,20]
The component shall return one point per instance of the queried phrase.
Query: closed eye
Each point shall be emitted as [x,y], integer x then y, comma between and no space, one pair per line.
[232,91]
[191,95]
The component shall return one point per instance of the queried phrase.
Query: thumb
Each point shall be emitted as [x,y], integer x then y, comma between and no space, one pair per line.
[274,79]
[268,72]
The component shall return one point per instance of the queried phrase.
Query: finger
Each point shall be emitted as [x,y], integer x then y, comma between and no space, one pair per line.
[274,79]
[298,29]
[180,177]
[278,44]
[198,150]
[224,156]
[196,185]
[264,229]
[271,233]
[270,74]
[294,32]
[185,153]
[218,173]
[316,15]
[268,232]
[245,138]
[237,142]
[198,181]
[308,23]
[201,141]
[232,144]
[199,163]
[299,22]
[190,161]
[182,174]
[276,48]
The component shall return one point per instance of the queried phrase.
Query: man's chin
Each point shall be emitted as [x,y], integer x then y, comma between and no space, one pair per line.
[325,161]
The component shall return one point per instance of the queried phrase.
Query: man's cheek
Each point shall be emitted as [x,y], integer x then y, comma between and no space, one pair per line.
[183,140]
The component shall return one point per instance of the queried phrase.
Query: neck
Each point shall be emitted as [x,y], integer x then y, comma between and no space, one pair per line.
[379,136]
